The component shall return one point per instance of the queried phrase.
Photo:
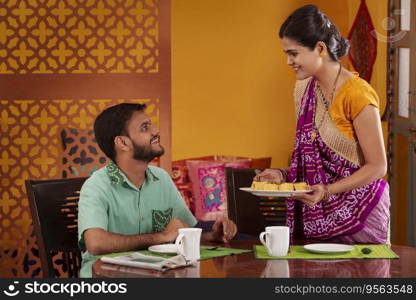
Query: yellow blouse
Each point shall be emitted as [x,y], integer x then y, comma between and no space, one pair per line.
[352,97]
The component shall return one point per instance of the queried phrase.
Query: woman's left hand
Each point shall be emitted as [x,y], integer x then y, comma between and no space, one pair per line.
[318,194]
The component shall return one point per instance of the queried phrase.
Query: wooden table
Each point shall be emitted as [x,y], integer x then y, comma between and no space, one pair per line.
[246,265]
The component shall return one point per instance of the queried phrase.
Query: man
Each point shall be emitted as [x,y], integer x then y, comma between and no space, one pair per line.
[129,205]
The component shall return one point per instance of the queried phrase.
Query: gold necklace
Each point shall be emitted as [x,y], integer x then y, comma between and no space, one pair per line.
[326,104]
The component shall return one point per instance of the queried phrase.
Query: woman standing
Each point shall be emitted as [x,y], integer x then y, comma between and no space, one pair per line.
[339,148]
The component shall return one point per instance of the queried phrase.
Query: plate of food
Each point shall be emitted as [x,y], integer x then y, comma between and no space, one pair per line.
[328,248]
[267,189]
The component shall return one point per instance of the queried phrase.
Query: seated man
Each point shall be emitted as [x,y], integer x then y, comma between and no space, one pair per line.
[129,205]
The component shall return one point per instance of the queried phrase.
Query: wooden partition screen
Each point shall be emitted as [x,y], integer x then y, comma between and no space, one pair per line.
[61,63]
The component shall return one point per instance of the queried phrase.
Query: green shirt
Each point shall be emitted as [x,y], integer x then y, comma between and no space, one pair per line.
[108,200]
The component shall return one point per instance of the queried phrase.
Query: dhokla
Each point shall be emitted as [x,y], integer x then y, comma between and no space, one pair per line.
[258,185]
[271,187]
[286,187]
[301,186]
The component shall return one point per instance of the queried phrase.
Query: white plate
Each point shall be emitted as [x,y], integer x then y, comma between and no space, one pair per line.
[164,249]
[266,193]
[328,248]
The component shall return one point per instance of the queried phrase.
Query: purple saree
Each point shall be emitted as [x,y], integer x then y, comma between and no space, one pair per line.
[342,216]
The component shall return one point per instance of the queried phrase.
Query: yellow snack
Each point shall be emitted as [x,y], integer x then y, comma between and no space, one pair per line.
[264,186]
[286,187]
[271,187]
[301,186]
[258,185]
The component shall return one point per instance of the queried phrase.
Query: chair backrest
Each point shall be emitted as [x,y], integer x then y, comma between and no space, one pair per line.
[54,209]
[251,213]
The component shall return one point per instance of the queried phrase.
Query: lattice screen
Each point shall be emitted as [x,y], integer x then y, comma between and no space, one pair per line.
[61,63]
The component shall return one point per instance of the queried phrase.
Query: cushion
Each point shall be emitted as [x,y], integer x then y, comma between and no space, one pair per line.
[181,179]
[180,173]
[209,186]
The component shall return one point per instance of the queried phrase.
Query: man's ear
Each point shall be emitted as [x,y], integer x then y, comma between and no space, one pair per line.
[122,142]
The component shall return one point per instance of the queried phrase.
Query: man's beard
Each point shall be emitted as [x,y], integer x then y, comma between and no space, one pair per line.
[146,153]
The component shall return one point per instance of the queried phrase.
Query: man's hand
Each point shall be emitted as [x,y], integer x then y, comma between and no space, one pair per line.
[171,231]
[223,230]
[99,241]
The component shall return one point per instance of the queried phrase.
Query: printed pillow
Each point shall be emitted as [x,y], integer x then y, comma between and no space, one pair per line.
[181,179]
[186,194]
[239,163]
[180,172]
[209,187]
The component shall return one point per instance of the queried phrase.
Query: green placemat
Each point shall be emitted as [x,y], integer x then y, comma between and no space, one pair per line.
[207,252]
[298,252]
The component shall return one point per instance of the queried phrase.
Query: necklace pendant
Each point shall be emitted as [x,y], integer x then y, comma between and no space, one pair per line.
[313,135]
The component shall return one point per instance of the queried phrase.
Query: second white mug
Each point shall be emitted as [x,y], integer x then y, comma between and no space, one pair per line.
[188,243]
[276,240]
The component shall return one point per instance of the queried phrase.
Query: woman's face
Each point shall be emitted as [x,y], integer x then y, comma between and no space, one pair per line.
[304,61]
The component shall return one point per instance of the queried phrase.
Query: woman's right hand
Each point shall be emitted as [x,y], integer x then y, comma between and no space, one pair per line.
[271,175]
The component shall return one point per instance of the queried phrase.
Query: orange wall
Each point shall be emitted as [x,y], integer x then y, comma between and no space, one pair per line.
[231,87]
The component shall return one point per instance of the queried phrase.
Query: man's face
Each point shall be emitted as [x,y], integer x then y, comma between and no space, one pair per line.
[145,137]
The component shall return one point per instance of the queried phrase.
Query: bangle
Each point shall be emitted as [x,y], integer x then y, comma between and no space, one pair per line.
[327,194]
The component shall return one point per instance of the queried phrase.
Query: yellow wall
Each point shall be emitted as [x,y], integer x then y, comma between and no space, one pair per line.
[231,87]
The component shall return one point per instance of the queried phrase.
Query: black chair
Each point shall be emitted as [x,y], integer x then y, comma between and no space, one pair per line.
[251,213]
[54,209]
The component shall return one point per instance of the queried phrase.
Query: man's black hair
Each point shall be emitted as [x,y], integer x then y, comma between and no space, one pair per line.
[113,122]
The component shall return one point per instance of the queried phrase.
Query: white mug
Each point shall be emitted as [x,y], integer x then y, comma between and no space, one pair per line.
[276,240]
[188,243]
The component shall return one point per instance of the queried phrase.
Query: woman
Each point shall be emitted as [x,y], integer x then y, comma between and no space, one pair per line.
[339,148]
